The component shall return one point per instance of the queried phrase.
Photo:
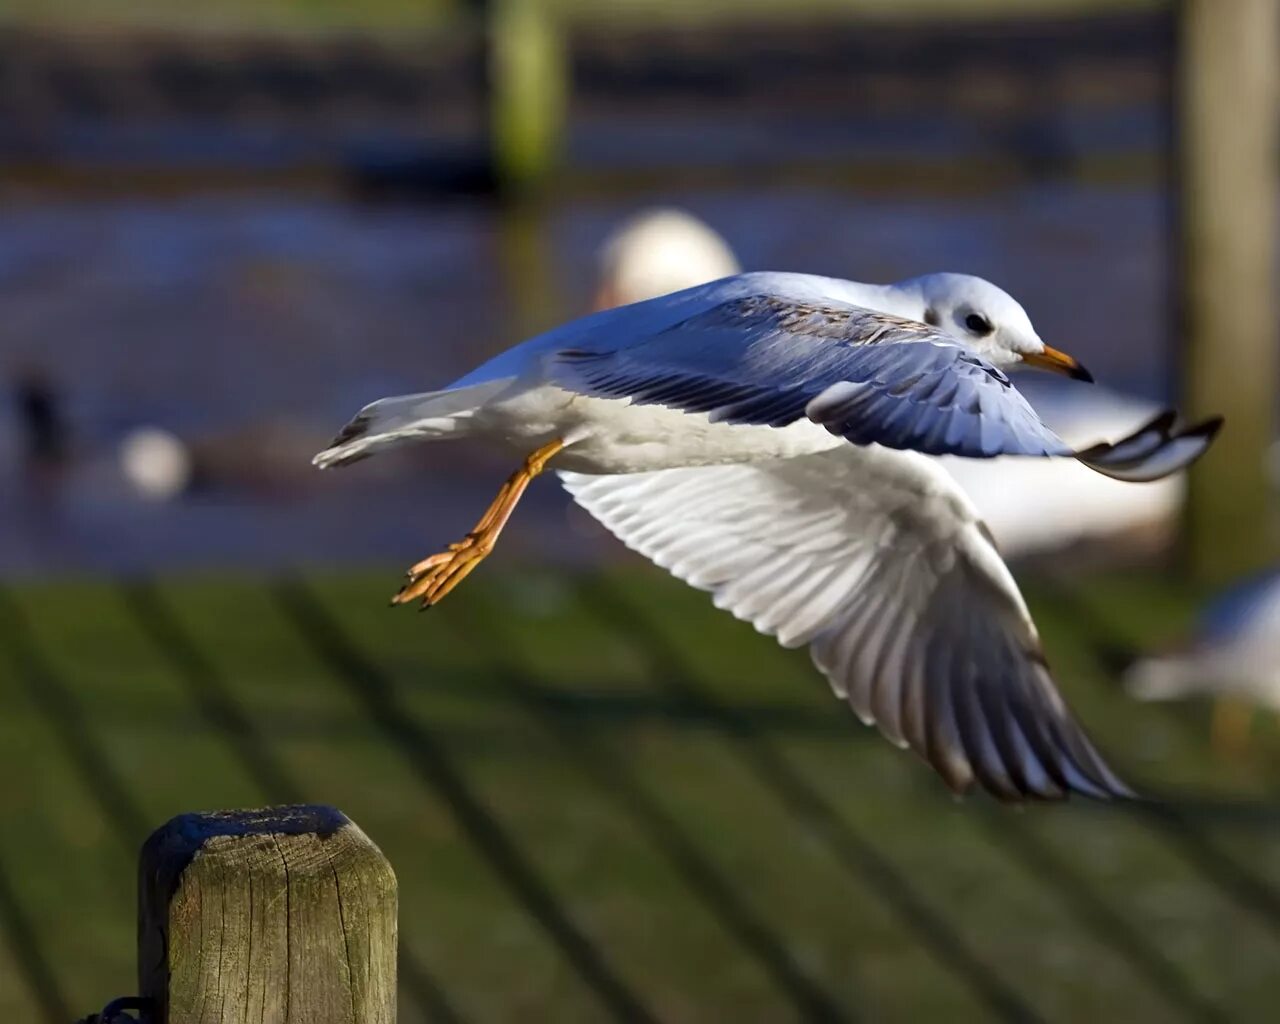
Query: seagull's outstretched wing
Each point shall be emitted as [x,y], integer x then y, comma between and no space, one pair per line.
[878,562]
[869,377]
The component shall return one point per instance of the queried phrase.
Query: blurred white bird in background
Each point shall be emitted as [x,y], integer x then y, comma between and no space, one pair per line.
[1032,506]
[1233,657]
[762,437]
[657,252]
[156,463]
[1036,507]
[260,457]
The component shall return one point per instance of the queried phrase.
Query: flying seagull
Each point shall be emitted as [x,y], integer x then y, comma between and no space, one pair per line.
[1032,506]
[762,437]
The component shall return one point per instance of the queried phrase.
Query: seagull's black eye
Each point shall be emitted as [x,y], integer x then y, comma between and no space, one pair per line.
[978,324]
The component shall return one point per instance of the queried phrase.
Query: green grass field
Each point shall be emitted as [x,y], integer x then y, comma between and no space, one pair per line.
[673,788]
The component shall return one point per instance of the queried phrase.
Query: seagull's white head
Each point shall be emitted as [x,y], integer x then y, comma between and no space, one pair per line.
[988,320]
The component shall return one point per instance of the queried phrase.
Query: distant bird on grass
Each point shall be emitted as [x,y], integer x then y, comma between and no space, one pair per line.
[761,437]
[1233,657]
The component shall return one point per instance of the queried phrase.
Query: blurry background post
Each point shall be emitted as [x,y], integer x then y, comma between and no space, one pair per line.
[528,90]
[527,95]
[1227,167]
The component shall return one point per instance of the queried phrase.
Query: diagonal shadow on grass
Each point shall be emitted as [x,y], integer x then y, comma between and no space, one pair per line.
[55,701]
[673,711]
[1171,817]
[35,965]
[216,701]
[868,866]
[621,787]
[375,691]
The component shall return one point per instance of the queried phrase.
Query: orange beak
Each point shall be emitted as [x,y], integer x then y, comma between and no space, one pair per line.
[1059,362]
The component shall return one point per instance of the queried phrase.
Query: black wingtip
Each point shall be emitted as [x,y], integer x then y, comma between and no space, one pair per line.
[1123,461]
[1080,372]
[1208,429]
[1162,421]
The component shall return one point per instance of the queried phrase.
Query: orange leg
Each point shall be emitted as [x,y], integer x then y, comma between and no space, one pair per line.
[435,576]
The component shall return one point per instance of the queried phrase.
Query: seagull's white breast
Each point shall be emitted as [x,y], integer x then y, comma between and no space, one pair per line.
[613,436]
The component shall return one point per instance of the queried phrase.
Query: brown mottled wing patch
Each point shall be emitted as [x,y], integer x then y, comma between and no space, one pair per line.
[848,325]
[865,376]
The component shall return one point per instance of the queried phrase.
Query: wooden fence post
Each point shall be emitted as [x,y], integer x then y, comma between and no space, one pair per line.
[1227,179]
[528,91]
[266,917]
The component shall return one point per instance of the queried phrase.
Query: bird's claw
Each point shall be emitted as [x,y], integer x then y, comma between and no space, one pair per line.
[436,576]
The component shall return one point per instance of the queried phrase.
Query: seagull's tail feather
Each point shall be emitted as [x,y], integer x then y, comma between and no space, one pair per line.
[1154,450]
[421,417]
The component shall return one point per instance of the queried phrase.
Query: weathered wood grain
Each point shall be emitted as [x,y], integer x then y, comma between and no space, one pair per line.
[271,916]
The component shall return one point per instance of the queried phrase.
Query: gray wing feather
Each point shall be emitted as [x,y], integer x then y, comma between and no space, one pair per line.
[875,561]
[866,376]
[1154,450]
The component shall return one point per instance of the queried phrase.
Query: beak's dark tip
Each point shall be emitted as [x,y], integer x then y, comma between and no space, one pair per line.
[1078,372]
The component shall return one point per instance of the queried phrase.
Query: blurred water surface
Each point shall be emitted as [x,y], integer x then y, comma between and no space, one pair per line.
[252,325]
[243,238]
